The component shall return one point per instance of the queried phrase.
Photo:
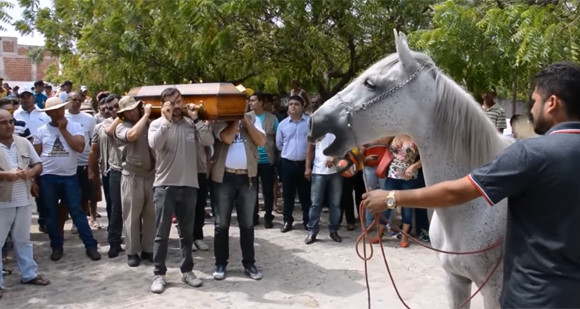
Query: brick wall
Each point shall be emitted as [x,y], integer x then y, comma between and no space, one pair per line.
[15,64]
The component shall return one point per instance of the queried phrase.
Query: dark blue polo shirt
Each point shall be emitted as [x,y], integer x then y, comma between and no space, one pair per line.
[541,179]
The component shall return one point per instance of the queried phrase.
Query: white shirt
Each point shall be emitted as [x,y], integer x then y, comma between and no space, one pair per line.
[57,156]
[20,195]
[34,120]
[63,96]
[236,157]
[88,124]
[320,167]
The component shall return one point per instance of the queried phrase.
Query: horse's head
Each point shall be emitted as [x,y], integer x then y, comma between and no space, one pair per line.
[387,99]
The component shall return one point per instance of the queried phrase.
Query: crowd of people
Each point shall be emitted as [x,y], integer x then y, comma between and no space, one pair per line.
[65,152]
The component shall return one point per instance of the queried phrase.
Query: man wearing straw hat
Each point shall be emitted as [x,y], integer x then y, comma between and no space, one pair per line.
[59,144]
[138,172]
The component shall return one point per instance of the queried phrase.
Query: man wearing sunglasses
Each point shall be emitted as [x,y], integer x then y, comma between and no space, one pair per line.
[105,160]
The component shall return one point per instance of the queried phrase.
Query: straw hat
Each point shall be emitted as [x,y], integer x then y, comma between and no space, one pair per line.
[51,104]
[128,103]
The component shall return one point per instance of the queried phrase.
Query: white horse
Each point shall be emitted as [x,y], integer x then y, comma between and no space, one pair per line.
[405,93]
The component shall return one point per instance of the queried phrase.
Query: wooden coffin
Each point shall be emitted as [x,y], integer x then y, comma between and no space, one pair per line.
[219,101]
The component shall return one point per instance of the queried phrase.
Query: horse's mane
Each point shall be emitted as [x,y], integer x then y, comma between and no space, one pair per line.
[461,122]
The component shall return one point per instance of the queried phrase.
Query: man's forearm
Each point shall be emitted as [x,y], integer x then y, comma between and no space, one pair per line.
[77,143]
[444,194]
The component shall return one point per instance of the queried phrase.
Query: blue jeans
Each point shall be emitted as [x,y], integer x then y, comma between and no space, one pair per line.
[327,187]
[237,191]
[398,184]
[17,220]
[54,188]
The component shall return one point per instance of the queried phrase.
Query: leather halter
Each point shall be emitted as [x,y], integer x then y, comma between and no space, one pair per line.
[350,110]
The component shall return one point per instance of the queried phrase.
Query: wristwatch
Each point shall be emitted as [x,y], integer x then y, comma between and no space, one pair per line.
[391,200]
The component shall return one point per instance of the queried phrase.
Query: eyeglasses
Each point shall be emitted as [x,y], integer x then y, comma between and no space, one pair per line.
[116,106]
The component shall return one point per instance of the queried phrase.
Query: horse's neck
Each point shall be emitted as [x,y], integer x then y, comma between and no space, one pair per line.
[438,166]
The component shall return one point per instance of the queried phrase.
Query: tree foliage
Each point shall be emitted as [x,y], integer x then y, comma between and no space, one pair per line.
[5,18]
[119,44]
[502,43]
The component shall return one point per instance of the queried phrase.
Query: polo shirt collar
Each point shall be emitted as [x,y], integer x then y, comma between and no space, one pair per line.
[565,127]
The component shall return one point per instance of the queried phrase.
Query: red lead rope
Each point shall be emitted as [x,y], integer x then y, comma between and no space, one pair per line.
[364,237]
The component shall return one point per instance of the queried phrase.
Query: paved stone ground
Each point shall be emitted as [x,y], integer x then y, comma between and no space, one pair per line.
[322,275]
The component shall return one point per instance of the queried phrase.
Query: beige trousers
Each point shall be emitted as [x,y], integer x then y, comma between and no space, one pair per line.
[138,213]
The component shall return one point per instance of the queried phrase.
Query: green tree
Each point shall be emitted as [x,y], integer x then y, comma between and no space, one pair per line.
[118,44]
[502,43]
[5,18]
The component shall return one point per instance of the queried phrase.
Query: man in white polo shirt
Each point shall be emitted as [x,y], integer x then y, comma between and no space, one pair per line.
[33,119]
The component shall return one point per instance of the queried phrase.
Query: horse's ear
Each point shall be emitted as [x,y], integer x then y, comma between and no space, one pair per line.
[405,56]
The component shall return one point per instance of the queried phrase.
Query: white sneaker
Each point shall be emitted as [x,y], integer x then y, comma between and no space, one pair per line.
[190,279]
[200,245]
[158,285]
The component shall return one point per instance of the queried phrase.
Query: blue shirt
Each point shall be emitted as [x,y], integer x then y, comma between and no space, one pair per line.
[539,177]
[291,138]
[262,154]
[39,99]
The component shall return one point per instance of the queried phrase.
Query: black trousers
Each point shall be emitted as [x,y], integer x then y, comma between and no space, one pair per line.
[347,204]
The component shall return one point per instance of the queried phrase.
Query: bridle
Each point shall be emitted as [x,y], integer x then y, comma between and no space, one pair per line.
[350,110]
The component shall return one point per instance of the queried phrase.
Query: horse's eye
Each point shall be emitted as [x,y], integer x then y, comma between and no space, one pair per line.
[369,84]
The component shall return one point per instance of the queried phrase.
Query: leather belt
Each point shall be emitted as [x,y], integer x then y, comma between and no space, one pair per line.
[236,171]
[294,162]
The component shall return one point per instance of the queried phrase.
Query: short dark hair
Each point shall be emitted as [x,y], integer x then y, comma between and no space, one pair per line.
[261,97]
[518,117]
[561,79]
[171,91]
[111,97]
[38,83]
[7,100]
[101,95]
[297,98]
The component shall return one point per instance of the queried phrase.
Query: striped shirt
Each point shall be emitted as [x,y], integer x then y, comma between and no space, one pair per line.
[497,116]
[20,195]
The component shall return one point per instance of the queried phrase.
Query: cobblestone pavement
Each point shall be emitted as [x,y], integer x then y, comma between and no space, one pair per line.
[322,275]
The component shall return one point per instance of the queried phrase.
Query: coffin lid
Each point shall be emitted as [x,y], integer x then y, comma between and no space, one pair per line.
[198,89]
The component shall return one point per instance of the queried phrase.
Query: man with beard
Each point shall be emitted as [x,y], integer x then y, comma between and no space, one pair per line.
[105,160]
[174,139]
[539,176]
[138,170]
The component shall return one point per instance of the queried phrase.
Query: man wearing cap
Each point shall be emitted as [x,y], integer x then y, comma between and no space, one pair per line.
[137,180]
[59,144]
[19,164]
[174,139]
[66,89]
[33,119]
[90,196]
[39,97]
